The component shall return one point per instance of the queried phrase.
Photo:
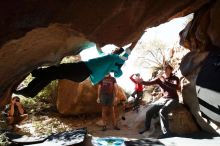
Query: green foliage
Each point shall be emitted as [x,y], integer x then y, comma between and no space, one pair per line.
[44,100]
[27,80]
[71,59]
[152,53]
[3,140]
[48,94]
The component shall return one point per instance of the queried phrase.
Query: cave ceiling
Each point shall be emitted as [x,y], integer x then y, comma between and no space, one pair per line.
[39,32]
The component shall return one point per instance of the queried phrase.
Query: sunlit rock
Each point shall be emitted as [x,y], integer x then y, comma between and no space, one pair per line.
[74,98]
[191,101]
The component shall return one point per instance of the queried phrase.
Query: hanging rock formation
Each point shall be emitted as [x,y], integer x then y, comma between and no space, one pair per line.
[201,36]
[35,32]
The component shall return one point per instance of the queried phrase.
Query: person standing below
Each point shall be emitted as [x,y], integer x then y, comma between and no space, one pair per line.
[138,92]
[107,91]
[15,113]
[169,85]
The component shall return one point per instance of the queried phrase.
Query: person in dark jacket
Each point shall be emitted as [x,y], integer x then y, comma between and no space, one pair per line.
[169,84]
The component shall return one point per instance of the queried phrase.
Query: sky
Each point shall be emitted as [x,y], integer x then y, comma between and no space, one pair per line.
[167,32]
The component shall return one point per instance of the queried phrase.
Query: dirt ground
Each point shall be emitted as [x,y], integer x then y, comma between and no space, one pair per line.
[44,120]
[45,123]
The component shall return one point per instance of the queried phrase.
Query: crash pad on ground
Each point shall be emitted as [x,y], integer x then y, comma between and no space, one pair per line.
[63,138]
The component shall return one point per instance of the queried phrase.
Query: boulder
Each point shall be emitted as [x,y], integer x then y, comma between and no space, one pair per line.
[79,98]
[181,121]
[190,67]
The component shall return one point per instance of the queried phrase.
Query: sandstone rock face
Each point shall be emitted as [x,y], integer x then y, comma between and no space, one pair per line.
[191,101]
[203,31]
[113,21]
[191,62]
[190,67]
[74,98]
[181,121]
[213,29]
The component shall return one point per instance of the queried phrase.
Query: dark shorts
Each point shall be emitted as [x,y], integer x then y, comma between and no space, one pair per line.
[107,99]
[138,93]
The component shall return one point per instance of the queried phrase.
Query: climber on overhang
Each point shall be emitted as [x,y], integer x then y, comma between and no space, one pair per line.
[95,68]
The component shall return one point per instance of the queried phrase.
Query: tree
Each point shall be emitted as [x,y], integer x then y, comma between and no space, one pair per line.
[151,54]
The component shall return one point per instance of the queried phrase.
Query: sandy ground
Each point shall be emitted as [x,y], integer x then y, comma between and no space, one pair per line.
[44,123]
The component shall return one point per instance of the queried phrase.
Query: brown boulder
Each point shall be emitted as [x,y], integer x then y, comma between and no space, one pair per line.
[214,30]
[190,67]
[79,98]
[181,121]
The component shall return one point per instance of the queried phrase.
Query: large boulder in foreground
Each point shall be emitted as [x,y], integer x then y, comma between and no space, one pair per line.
[181,121]
[191,66]
[79,98]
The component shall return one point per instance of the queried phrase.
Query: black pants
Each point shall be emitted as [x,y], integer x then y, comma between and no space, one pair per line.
[76,72]
[163,109]
[137,99]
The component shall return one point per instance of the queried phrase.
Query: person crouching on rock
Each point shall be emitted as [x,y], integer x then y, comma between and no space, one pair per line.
[15,112]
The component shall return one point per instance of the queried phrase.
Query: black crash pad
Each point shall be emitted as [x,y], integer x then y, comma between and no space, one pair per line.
[144,142]
[63,138]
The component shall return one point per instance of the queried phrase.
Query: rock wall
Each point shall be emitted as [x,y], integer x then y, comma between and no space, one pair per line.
[201,36]
[190,66]
[203,31]
[181,121]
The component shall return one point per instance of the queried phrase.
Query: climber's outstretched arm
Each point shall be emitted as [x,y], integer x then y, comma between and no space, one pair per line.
[133,44]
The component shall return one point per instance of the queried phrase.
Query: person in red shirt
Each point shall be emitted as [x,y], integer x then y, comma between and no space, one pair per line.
[107,91]
[138,91]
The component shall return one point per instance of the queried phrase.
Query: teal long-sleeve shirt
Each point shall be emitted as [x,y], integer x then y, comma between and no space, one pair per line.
[101,66]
